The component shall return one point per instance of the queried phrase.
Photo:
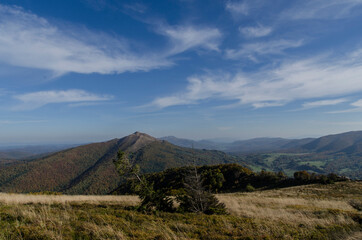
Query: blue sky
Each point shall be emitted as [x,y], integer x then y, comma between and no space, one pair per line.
[91,70]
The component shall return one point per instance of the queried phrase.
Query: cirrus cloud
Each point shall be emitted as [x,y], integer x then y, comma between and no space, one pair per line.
[30,41]
[30,101]
[258,31]
[320,77]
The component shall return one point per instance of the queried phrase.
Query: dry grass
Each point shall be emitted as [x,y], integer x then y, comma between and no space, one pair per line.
[127,200]
[296,211]
[293,213]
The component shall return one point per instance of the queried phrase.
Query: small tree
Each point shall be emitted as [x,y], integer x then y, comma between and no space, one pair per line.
[150,199]
[196,199]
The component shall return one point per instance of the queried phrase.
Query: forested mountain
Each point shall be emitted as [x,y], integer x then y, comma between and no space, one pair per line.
[202,144]
[255,145]
[349,142]
[89,169]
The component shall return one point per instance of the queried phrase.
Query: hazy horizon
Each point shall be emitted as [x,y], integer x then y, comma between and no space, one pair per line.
[216,140]
[88,71]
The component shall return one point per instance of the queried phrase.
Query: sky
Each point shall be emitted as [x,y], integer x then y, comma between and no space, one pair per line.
[74,71]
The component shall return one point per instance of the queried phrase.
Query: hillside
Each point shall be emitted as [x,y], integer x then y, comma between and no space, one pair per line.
[89,169]
[349,143]
[305,212]
[338,153]
[255,145]
[202,144]
[158,156]
[259,145]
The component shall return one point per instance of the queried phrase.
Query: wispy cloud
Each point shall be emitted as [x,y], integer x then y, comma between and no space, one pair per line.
[258,31]
[237,7]
[356,107]
[188,37]
[6,122]
[322,9]
[326,102]
[253,50]
[357,103]
[27,40]
[136,7]
[35,100]
[322,77]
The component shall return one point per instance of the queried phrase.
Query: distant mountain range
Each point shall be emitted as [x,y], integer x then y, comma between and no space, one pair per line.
[338,153]
[349,143]
[89,169]
[242,146]
[28,151]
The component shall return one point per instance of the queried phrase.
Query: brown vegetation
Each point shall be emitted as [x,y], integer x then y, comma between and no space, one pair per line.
[303,212]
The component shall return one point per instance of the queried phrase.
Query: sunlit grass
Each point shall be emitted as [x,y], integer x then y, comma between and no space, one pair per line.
[305,212]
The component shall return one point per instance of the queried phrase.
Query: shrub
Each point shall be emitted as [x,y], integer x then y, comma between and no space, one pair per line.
[249,188]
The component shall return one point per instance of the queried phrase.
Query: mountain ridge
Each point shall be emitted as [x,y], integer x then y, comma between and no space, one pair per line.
[89,169]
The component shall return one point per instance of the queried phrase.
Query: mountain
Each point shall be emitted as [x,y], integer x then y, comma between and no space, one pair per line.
[202,144]
[89,169]
[338,153]
[349,143]
[264,145]
[255,145]
[22,152]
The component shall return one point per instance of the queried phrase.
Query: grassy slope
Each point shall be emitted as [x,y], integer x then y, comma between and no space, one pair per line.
[306,212]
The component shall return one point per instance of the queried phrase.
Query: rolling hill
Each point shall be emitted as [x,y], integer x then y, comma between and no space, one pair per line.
[255,145]
[338,153]
[349,143]
[89,169]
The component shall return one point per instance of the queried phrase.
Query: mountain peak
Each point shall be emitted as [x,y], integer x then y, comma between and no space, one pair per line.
[135,141]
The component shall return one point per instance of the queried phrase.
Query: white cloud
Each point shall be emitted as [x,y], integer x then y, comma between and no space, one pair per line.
[259,31]
[321,103]
[322,9]
[357,103]
[252,50]
[188,37]
[321,77]
[27,40]
[38,99]
[357,107]
[237,7]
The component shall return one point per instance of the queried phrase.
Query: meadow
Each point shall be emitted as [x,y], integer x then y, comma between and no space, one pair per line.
[304,212]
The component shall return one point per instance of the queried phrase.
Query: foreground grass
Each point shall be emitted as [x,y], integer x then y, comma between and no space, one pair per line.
[307,212]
